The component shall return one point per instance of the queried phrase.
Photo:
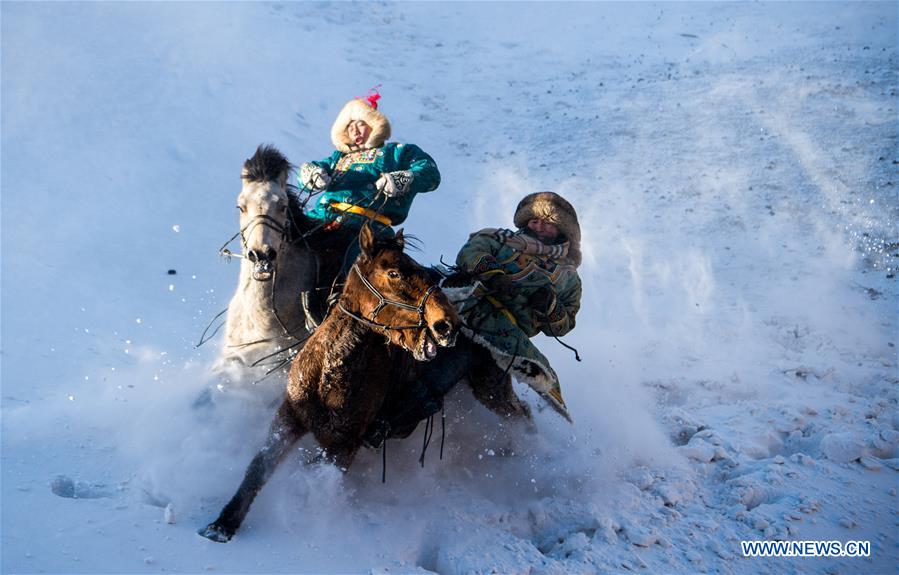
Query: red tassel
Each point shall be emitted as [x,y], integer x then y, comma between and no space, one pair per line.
[373,97]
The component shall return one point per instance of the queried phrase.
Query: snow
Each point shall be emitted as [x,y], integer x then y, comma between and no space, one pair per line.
[734,170]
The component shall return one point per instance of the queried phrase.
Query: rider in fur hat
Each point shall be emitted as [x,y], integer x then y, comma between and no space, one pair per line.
[517,284]
[366,179]
[526,282]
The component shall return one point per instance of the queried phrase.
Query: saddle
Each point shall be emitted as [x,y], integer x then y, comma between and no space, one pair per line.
[336,248]
[330,248]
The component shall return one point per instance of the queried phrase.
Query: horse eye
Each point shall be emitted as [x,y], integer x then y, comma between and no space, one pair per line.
[393,274]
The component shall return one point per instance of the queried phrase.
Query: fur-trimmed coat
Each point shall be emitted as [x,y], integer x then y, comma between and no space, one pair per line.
[505,324]
[353,177]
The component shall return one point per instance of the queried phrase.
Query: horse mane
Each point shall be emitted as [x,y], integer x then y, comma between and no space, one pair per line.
[298,218]
[389,244]
[409,241]
[266,165]
[413,243]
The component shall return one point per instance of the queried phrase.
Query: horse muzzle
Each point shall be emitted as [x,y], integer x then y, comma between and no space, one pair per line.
[441,333]
[263,264]
[444,332]
[426,350]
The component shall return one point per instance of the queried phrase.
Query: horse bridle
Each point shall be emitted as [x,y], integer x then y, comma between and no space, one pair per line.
[286,236]
[258,220]
[384,302]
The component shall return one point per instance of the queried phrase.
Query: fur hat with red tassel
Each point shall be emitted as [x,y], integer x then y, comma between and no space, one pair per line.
[365,109]
[553,208]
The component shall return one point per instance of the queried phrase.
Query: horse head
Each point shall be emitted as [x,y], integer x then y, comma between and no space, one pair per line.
[264,210]
[391,292]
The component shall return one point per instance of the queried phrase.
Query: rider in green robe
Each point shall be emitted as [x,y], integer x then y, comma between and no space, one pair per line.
[511,285]
[525,283]
[366,179]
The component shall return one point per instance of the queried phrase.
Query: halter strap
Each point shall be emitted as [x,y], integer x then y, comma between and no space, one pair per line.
[384,302]
[258,220]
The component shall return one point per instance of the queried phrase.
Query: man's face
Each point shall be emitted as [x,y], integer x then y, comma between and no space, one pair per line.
[358,132]
[544,230]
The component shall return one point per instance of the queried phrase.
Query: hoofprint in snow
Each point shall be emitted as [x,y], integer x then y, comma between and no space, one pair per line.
[734,170]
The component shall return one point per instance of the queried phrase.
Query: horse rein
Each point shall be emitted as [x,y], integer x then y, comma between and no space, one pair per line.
[259,220]
[384,302]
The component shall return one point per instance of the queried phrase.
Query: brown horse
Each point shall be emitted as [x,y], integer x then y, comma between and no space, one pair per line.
[339,380]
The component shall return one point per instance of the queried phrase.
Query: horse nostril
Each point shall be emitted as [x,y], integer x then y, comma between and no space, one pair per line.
[271,254]
[442,328]
[252,256]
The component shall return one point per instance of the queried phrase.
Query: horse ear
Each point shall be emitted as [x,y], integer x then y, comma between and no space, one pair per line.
[400,240]
[367,240]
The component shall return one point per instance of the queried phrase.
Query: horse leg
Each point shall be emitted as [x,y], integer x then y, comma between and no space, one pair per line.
[284,432]
[343,456]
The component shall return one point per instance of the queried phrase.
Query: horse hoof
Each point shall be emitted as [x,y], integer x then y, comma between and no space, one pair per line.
[215,532]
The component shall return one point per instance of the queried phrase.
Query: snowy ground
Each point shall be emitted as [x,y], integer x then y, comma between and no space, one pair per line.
[735,170]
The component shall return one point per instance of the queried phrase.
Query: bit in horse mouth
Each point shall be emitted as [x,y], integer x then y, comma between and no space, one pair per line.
[428,349]
[263,270]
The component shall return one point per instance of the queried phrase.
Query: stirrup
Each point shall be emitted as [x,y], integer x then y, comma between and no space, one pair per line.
[309,319]
[333,297]
[377,433]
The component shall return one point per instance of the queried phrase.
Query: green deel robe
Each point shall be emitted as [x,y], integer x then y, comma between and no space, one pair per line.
[505,324]
[353,179]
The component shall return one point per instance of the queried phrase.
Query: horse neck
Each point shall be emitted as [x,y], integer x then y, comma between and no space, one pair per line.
[353,293]
[360,343]
[300,222]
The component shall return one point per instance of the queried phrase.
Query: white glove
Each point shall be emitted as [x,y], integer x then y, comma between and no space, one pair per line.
[395,184]
[314,177]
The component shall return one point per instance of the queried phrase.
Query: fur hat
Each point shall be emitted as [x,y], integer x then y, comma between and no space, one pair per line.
[367,111]
[553,208]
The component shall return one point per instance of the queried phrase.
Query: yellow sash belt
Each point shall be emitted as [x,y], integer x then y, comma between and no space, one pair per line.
[502,309]
[359,210]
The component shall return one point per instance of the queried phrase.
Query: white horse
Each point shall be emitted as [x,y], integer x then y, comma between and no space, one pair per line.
[265,315]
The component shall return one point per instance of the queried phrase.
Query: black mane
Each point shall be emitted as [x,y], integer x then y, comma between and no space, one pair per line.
[266,165]
[409,241]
